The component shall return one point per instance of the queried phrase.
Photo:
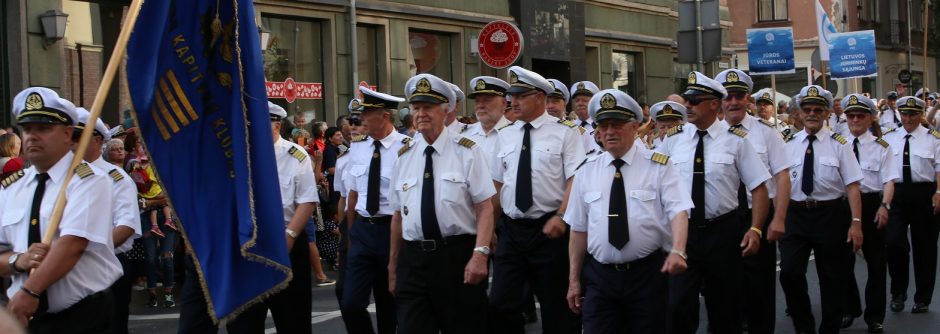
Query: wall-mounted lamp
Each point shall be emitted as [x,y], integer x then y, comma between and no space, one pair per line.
[265,36]
[53,25]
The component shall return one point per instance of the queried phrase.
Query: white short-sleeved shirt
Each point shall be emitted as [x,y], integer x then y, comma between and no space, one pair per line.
[770,148]
[124,208]
[838,123]
[341,175]
[461,179]
[889,118]
[360,158]
[295,177]
[729,160]
[88,197]
[834,166]
[486,141]
[556,153]
[654,197]
[924,149]
[876,160]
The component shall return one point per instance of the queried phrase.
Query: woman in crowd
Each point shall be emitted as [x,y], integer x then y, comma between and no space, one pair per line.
[10,159]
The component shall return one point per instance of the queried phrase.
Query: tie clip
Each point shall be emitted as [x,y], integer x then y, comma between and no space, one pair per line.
[613,215]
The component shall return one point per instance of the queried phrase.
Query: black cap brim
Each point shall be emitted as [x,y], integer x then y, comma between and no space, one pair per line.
[425,98]
[40,119]
[519,90]
[615,114]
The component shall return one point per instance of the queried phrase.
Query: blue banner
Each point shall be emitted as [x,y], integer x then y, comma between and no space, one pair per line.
[852,55]
[770,51]
[197,85]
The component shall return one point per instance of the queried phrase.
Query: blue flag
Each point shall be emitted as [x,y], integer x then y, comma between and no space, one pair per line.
[197,85]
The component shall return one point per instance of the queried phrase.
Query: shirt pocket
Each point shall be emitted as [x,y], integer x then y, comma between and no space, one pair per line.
[503,157]
[829,168]
[720,164]
[287,190]
[923,154]
[453,187]
[405,189]
[14,212]
[546,158]
[594,204]
[642,203]
[870,165]
[360,177]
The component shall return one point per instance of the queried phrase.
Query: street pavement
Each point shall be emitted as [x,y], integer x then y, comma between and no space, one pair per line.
[326,318]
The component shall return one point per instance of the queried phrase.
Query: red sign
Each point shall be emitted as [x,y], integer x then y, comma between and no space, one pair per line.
[366,85]
[290,90]
[500,44]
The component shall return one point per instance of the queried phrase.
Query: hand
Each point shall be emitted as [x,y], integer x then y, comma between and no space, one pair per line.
[23,306]
[391,277]
[317,157]
[881,218]
[574,296]
[750,243]
[33,256]
[776,230]
[555,227]
[476,269]
[855,236]
[674,265]
[936,203]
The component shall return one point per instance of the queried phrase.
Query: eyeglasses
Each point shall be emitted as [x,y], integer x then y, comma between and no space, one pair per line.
[810,110]
[856,115]
[522,96]
[736,95]
[695,100]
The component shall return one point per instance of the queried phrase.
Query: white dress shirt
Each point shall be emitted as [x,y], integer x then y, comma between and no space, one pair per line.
[487,141]
[97,268]
[768,143]
[924,149]
[461,179]
[124,208]
[360,158]
[838,123]
[556,153]
[654,197]
[295,177]
[889,118]
[834,166]
[729,160]
[876,161]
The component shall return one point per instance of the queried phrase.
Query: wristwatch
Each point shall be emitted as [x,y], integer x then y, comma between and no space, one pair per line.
[886,205]
[485,250]
[291,233]
[12,262]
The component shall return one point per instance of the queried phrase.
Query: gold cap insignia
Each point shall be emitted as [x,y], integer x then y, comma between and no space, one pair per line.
[481,85]
[766,96]
[910,103]
[812,91]
[608,101]
[513,77]
[354,104]
[732,77]
[423,85]
[34,102]
[667,110]
[692,78]
[553,85]
[580,86]
[853,100]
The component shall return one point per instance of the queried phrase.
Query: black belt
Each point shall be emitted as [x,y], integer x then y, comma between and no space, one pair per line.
[375,220]
[627,266]
[721,218]
[431,245]
[814,204]
[531,222]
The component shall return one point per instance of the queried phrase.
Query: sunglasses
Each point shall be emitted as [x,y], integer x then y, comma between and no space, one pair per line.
[856,115]
[355,121]
[695,100]
[735,96]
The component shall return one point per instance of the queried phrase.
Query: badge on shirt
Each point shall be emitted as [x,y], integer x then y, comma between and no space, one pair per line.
[405,211]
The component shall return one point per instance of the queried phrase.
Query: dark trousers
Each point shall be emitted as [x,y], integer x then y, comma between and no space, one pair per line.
[714,261]
[912,208]
[760,281]
[290,307]
[874,250]
[430,294]
[367,273]
[624,300]
[194,312]
[122,293]
[341,264]
[524,254]
[823,231]
[88,315]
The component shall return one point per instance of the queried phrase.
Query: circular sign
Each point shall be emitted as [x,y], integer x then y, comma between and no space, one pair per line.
[904,76]
[290,90]
[500,44]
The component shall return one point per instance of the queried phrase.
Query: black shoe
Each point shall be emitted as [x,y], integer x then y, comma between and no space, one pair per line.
[847,321]
[920,308]
[876,328]
[897,303]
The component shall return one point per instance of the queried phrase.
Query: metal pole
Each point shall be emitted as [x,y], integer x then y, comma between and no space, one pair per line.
[698,35]
[910,59]
[81,75]
[354,52]
[926,33]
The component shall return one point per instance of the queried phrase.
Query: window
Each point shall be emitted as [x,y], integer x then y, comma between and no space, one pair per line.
[868,10]
[431,52]
[295,51]
[367,49]
[623,72]
[772,10]
[917,15]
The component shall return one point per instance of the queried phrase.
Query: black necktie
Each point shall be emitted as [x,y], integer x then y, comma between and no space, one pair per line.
[375,172]
[429,226]
[807,185]
[698,180]
[855,149]
[524,174]
[584,124]
[742,190]
[906,167]
[618,231]
[895,115]
[34,233]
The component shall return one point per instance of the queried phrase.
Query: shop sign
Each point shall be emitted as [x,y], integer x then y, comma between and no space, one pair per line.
[500,44]
[291,91]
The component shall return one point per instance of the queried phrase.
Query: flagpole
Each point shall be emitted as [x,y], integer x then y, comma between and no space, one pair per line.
[926,29]
[773,88]
[823,72]
[110,72]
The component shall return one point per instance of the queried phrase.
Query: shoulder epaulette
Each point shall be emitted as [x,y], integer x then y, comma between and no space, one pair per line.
[881,142]
[592,151]
[581,164]
[83,171]
[788,137]
[890,130]
[406,140]
[359,138]
[839,138]
[506,126]
[12,178]
[297,154]
[464,128]
[466,143]
[404,148]
[567,123]
[659,158]
[674,131]
[766,122]
[116,175]
[738,132]
[935,133]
